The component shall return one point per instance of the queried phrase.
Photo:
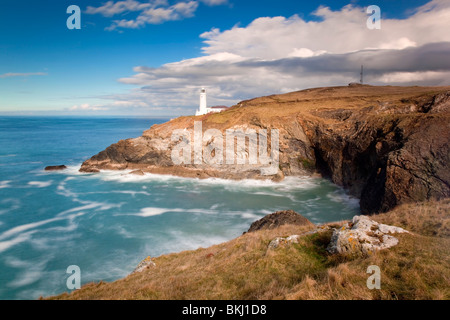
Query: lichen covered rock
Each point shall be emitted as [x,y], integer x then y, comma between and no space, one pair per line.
[144,264]
[363,236]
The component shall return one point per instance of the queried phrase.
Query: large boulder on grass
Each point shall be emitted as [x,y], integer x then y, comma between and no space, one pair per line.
[362,236]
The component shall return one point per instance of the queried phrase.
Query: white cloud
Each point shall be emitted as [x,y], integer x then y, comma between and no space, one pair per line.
[279,54]
[151,12]
[88,107]
[112,8]
[214,2]
[339,32]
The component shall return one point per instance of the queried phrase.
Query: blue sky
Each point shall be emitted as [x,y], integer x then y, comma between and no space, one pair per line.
[140,57]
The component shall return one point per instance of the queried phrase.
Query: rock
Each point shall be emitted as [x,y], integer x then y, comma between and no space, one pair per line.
[363,236]
[390,153]
[283,241]
[90,170]
[277,219]
[144,264]
[137,173]
[275,243]
[55,168]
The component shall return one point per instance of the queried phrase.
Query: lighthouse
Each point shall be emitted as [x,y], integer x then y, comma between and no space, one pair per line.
[204,107]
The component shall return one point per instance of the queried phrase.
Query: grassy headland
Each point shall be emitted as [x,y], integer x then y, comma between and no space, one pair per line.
[244,268]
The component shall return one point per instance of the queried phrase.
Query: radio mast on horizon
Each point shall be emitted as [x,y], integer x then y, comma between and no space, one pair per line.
[362,75]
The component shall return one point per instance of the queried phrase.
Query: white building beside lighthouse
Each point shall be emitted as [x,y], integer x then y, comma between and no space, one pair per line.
[204,106]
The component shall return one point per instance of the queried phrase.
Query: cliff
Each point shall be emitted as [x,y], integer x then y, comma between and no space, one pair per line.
[387,145]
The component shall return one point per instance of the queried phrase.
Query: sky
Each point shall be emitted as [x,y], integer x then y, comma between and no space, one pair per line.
[152,57]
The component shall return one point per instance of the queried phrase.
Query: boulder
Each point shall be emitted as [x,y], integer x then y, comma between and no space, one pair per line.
[55,168]
[137,173]
[277,219]
[144,264]
[280,241]
[363,236]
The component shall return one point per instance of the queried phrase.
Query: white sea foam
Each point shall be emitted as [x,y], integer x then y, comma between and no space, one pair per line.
[91,205]
[217,205]
[187,241]
[245,214]
[70,214]
[15,262]
[125,176]
[71,170]
[250,215]
[5,245]
[63,191]
[49,244]
[124,233]
[340,196]
[289,183]
[151,211]
[130,192]
[15,204]
[5,184]
[26,278]
[40,184]
[25,227]
[270,194]
[32,271]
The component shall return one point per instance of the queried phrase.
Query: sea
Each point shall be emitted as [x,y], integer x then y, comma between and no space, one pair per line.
[106,223]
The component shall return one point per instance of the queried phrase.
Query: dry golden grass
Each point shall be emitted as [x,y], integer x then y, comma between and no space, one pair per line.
[303,104]
[243,268]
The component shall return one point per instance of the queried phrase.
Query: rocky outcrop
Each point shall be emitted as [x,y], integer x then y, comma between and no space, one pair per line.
[283,241]
[363,236]
[389,153]
[386,145]
[277,219]
[144,264]
[55,168]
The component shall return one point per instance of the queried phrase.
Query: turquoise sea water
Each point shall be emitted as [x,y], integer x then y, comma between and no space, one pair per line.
[107,223]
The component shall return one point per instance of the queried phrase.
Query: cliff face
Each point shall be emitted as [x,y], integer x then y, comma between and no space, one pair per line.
[387,145]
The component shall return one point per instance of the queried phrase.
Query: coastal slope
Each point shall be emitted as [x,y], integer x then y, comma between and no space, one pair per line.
[387,145]
[248,267]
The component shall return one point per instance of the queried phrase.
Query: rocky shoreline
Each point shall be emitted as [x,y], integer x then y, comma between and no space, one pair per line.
[386,145]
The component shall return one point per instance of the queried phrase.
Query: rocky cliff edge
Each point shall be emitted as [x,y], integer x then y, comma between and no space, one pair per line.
[386,145]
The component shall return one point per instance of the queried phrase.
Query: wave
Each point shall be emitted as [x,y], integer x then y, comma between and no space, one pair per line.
[302,182]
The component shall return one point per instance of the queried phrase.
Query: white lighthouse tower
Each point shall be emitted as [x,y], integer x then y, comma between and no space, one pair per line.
[203,106]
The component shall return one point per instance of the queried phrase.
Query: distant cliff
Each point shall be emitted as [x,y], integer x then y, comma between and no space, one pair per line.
[387,145]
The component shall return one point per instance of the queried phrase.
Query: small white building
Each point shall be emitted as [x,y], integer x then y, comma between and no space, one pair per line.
[204,107]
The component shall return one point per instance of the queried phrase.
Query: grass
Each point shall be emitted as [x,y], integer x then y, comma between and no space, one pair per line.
[244,268]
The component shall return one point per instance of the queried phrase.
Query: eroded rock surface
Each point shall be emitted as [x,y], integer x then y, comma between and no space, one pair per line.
[363,236]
